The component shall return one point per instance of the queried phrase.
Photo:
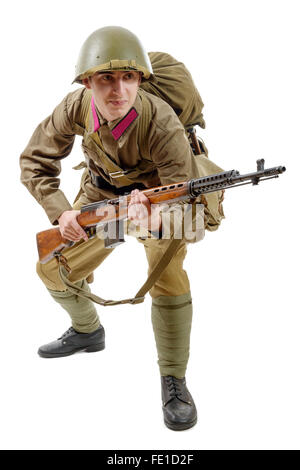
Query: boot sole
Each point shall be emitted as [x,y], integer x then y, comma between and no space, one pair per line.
[180,426]
[88,349]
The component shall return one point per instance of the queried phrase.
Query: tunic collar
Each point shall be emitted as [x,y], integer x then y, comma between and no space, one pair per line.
[118,127]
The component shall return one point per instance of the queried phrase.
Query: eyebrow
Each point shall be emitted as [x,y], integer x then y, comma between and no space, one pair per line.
[111,73]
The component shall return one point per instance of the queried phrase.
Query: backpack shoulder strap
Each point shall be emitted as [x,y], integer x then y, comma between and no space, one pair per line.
[144,124]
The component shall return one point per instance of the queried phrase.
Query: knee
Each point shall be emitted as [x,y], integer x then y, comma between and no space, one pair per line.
[174,280]
[49,276]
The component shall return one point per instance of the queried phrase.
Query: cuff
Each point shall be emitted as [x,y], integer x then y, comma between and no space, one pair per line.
[54,205]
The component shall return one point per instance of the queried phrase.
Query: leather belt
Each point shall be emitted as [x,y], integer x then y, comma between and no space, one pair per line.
[101,183]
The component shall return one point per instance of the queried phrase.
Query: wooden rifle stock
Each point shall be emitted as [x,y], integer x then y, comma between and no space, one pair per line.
[48,242]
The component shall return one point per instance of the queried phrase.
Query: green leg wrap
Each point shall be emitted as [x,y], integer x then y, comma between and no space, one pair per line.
[82,311]
[172,321]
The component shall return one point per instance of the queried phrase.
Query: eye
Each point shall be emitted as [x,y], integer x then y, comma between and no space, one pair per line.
[107,77]
[104,77]
[128,76]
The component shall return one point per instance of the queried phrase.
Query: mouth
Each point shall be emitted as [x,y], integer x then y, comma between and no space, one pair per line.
[117,103]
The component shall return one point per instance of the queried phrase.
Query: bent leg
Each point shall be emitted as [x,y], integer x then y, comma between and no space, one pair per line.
[83,258]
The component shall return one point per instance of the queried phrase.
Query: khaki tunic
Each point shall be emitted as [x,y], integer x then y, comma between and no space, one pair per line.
[169,156]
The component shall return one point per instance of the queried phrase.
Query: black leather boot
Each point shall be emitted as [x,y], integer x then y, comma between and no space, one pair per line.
[178,405]
[72,341]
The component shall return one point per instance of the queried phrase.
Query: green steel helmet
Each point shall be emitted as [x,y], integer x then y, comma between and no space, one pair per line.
[112,48]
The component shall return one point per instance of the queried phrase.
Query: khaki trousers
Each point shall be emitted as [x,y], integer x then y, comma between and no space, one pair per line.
[84,257]
[172,305]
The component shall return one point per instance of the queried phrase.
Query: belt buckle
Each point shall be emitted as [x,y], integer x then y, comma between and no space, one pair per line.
[118,174]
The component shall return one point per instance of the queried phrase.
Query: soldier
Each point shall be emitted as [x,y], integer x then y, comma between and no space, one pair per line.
[107,111]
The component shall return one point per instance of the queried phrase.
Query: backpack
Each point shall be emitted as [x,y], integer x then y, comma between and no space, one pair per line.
[173,83]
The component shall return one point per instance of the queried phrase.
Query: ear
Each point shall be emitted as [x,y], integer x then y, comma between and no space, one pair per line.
[86,83]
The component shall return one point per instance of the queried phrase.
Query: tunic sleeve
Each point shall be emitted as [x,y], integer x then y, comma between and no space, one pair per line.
[40,163]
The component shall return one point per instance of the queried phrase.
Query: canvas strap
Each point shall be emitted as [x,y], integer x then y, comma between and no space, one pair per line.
[145,120]
[65,270]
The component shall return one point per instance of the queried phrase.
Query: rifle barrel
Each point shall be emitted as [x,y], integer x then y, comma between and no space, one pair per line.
[229,179]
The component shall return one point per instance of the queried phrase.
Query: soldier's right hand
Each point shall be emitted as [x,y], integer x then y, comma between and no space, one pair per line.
[70,228]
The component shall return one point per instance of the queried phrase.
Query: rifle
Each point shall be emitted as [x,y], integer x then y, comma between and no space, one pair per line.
[50,243]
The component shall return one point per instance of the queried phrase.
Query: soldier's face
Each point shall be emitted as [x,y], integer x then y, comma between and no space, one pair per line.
[114,92]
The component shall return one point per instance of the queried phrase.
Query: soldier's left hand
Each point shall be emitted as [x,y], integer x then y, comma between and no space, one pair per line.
[142,213]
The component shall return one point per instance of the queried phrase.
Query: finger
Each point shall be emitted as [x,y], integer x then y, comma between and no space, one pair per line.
[144,202]
[81,234]
[136,200]
[72,228]
[79,230]
[143,199]
[138,212]
[134,211]
[71,235]
[70,231]
[131,212]
[133,196]
[143,212]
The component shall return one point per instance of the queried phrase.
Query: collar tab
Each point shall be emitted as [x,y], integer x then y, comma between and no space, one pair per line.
[125,122]
[95,117]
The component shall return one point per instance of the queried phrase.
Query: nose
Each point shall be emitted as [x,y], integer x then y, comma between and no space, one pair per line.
[118,85]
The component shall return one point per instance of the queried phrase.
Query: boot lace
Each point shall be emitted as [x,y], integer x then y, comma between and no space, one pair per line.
[67,333]
[174,387]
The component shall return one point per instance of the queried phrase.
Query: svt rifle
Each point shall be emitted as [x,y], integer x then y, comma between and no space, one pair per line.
[50,243]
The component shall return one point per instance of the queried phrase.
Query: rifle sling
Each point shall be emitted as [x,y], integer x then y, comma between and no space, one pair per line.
[139,297]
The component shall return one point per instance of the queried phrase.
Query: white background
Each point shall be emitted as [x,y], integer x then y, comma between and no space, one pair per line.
[244,365]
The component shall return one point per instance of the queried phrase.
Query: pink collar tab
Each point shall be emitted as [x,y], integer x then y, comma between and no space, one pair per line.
[95,117]
[121,127]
